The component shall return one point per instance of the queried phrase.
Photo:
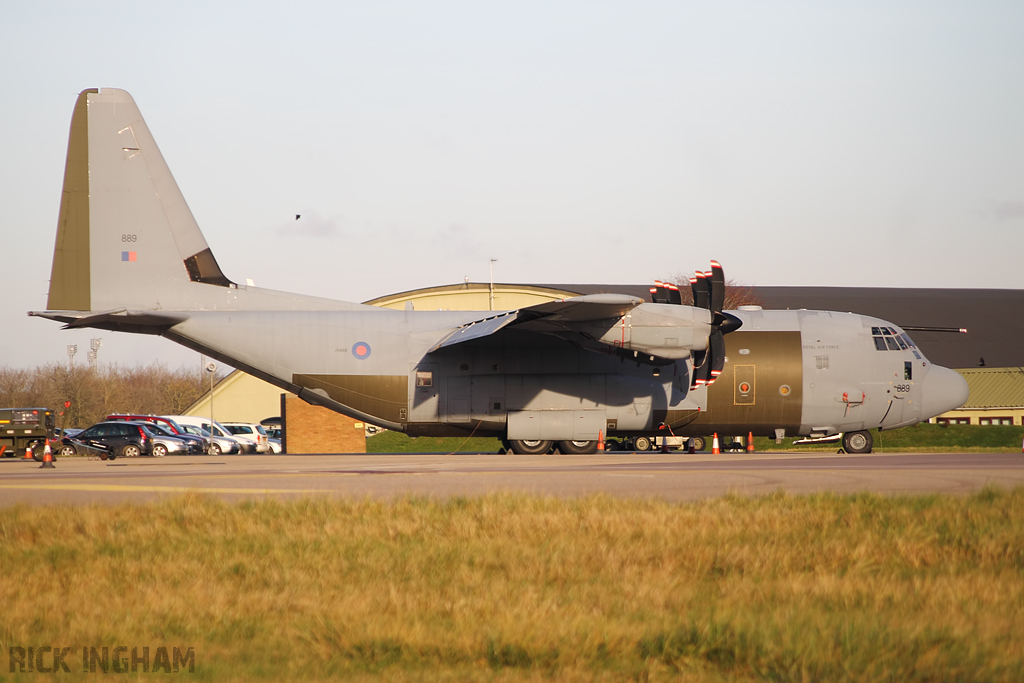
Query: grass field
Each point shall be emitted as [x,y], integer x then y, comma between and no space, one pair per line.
[509,588]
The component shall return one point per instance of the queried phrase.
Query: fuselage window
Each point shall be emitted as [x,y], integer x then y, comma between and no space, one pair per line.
[424,379]
[908,370]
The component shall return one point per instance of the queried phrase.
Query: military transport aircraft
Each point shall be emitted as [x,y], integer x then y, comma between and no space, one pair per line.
[130,257]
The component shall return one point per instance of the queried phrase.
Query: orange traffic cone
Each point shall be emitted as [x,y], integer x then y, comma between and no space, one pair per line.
[715,450]
[28,453]
[47,457]
[600,441]
[750,442]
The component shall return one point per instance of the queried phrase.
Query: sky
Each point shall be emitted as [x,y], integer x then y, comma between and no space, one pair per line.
[798,143]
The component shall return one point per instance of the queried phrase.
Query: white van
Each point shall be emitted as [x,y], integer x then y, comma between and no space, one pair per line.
[226,442]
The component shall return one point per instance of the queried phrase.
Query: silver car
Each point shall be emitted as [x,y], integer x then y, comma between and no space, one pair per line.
[218,444]
[164,442]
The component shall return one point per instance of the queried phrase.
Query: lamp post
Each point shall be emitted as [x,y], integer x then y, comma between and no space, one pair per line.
[211,368]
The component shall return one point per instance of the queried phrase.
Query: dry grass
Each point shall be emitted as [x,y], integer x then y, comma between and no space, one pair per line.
[509,587]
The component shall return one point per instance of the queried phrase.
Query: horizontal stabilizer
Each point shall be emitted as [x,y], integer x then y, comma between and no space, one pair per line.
[118,320]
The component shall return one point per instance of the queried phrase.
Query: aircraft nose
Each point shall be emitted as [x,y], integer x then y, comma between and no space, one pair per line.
[943,389]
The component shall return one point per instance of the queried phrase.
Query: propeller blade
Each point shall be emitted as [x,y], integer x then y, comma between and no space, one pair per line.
[701,369]
[674,297]
[659,294]
[699,285]
[716,362]
[717,287]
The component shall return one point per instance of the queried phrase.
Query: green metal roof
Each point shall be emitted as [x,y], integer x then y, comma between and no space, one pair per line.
[994,387]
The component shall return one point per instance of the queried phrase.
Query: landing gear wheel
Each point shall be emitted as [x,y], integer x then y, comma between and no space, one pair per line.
[698,443]
[577,447]
[642,443]
[857,442]
[529,447]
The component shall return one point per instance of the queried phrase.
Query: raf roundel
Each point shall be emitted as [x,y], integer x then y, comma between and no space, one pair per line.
[361,350]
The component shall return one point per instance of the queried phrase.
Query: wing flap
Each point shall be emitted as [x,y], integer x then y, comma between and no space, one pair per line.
[476,330]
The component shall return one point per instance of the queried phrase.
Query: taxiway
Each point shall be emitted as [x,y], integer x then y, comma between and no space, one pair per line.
[671,477]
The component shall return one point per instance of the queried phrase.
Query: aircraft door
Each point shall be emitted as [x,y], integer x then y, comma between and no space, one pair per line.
[458,400]
[904,404]
[424,390]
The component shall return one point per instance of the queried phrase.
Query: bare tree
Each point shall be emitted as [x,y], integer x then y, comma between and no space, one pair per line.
[94,393]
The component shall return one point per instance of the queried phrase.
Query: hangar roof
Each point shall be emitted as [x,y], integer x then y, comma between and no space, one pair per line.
[994,387]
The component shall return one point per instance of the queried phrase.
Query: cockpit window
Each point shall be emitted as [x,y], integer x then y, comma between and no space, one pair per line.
[889,339]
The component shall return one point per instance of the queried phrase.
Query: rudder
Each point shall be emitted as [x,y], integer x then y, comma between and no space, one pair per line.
[125,236]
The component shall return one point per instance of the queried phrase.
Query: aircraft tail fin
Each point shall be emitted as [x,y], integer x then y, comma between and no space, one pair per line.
[125,236]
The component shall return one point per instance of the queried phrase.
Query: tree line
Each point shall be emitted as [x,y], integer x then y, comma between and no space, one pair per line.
[95,392]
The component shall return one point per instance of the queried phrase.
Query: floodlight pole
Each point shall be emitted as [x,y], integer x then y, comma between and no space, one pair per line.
[94,350]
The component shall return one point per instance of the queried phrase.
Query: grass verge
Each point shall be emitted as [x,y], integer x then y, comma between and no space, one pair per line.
[511,587]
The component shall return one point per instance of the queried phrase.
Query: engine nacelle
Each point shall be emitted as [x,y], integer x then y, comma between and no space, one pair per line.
[663,330]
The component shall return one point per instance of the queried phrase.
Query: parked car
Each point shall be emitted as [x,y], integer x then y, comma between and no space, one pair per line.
[216,429]
[165,442]
[218,444]
[110,440]
[196,444]
[274,439]
[253,433]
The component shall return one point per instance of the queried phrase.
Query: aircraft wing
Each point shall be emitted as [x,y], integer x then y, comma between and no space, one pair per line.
[552,314]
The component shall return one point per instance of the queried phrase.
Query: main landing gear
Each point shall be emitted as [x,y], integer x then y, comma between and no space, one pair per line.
[857,442]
